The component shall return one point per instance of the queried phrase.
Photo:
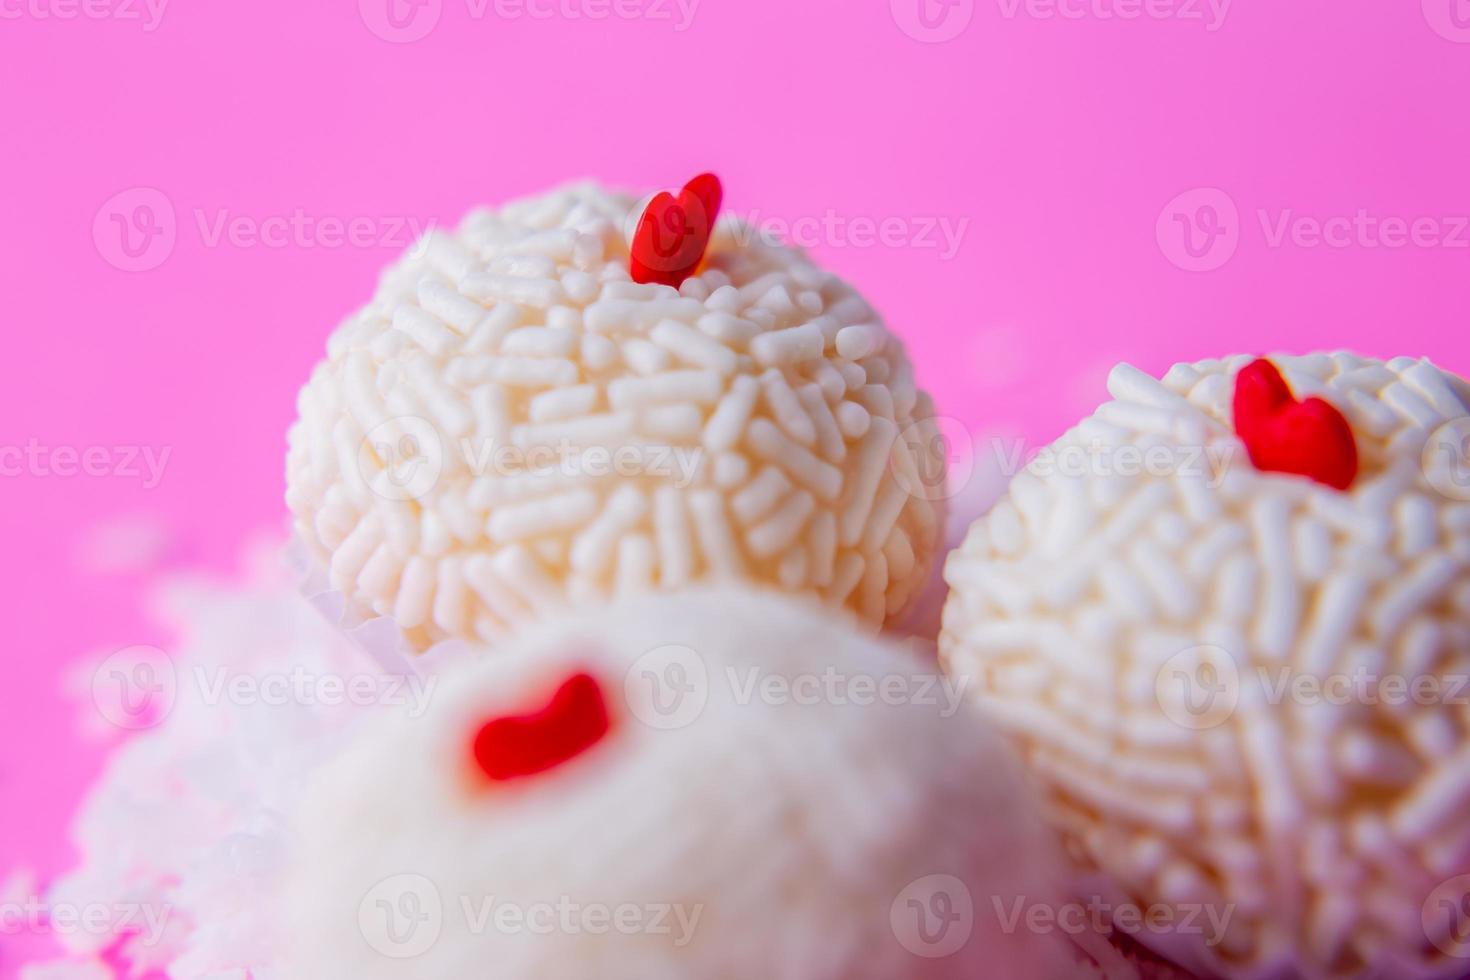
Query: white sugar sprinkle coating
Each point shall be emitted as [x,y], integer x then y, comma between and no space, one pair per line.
[1197,661]
[509,378]
[819,828]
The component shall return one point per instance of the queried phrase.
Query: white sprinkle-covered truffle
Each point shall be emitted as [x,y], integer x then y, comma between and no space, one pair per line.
[1244,693]
[750,811]
[513,421]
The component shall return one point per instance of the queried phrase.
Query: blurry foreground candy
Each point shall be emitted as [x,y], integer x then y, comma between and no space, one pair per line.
[1227,621]
[676,787]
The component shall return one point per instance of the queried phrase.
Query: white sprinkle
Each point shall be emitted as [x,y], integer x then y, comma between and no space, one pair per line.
[524,575]
[427,330]
[1403,398]
[461,314]
[481,576]
[727,329]
[872,460]
[605,430]
[671,531]
[845,577]
[884,515]
[645,358]
[699,387]
[1417,523]
[379,575]
[673,422]
[539,342]
[823,545]
[557,512]
[450,610]
[491,409]
[725,299]
[354,551]
[829,436]
[791,572]
[778,532]
[453,418]
[860,340]
[415,593]
[787,409]
[599,353]
[715,538]
[781,348]
[1280,609]
[853,420]
[829,379]
[731,470]
[635,566]
[579,286]
[762,494]
[593,548]
[486,337]
[519,372]
[537,293]
[608,315]
[693,347]
[563,403]
[727,423]
[768,442]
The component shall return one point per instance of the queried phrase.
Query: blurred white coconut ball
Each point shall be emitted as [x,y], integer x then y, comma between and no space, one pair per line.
[676,787]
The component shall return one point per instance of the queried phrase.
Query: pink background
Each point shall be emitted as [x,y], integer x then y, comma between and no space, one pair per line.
[1060,140]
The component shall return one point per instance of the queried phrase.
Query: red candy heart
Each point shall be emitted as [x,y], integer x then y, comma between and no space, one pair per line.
[673,232]
[1282,435]
[573,721]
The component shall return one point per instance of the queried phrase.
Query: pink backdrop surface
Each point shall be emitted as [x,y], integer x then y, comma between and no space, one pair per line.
[194,193]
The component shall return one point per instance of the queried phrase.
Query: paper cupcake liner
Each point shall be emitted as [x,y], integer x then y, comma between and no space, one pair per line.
[384,641]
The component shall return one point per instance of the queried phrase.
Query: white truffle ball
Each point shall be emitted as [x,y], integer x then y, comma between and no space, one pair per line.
[752,811]
[1243,692]
[512,421]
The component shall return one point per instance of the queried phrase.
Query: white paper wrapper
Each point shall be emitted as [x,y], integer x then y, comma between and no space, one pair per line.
[380,637]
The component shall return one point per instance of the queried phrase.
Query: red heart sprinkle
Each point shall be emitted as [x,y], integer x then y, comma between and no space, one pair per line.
[575,719]
[674,232]
[1282,435]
